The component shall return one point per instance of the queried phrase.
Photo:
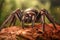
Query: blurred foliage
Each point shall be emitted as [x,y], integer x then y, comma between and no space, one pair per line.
[7,6]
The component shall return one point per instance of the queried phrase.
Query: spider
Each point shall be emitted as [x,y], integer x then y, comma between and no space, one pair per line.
[29,15]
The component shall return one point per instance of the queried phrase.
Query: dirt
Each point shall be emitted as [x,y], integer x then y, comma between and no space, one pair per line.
[29,33]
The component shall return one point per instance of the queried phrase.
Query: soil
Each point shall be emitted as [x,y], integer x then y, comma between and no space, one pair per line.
[29,33]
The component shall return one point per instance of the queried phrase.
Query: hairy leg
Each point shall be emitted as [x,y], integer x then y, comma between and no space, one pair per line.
[23,18]
[33,20]
[43,22]
[13,20]
[6,21]
[51,19]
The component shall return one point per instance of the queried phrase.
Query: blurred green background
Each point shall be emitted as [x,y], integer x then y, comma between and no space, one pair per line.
[7,6]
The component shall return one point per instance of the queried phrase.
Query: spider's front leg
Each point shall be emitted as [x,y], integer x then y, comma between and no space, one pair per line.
[33,21]
[42,20]
[51,19]
[23,20]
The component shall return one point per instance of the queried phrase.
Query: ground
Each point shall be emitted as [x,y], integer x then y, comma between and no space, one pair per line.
[29,33]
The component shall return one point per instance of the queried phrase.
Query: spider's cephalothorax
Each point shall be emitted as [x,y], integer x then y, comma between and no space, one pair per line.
[28,13]
[33,12]
[29,16]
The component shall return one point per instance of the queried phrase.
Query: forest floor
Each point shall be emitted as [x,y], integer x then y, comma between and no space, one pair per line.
[29,33]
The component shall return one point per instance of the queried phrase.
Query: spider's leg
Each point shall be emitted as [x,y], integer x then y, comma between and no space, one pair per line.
[6,21]
[23,18]
[19,14]
[13,20]
[10,17]
[43,21]
[17,17]
[33,21]
[50,18]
